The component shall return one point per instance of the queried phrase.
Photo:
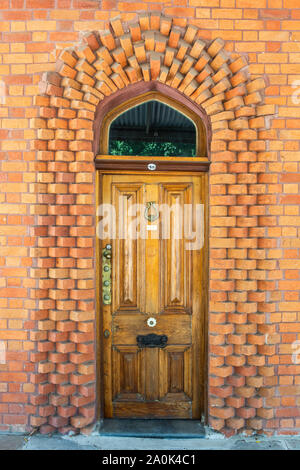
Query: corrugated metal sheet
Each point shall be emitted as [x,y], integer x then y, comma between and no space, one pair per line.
[160,115]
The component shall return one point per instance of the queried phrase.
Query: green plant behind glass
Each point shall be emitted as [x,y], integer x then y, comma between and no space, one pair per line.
[151,149]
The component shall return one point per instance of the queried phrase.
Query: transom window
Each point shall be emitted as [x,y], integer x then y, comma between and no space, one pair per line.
[152,129]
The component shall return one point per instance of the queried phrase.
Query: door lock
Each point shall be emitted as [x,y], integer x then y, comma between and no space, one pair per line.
[106,274]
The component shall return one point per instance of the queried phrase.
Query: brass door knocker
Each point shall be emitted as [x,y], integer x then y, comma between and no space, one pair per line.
[154,214]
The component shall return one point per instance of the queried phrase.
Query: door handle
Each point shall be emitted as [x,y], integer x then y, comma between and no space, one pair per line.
[106,275]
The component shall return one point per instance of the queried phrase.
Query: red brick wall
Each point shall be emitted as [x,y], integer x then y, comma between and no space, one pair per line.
[267,32]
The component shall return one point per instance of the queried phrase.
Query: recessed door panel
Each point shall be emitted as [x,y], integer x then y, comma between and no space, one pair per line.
[176,261]
[128,260]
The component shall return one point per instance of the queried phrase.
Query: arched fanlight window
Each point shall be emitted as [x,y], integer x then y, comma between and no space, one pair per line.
[153,129]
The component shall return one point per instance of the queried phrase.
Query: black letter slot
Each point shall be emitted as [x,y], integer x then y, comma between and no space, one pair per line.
[152,341]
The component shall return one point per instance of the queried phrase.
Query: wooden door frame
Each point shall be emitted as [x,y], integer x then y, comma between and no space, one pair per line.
[197,119]
[99,317]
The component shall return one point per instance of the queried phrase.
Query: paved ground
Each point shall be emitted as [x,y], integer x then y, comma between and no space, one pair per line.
[96,442]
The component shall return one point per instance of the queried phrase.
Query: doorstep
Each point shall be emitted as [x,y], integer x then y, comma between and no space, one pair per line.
[158,428]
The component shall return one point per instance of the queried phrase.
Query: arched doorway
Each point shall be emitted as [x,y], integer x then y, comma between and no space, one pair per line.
[92,79]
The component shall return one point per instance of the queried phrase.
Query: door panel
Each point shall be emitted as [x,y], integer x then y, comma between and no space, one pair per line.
[176,261]
[176,383]
[128,260]
[155,275]
[176,327]
[127,373]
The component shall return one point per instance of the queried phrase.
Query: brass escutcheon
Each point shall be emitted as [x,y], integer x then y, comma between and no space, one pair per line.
[106,274]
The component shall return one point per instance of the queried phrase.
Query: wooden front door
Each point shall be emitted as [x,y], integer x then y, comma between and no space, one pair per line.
[158,287]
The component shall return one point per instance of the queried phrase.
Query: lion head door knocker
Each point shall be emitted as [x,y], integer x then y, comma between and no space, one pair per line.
[151,211]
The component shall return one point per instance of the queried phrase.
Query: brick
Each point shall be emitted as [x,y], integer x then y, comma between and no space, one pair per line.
[35,4]
[225,413]
[41,25]
[81,421]
[117,26]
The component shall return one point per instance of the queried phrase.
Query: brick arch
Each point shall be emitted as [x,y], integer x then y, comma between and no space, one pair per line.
[63,334]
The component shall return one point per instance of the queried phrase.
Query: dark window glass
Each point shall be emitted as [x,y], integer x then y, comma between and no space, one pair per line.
[152,129]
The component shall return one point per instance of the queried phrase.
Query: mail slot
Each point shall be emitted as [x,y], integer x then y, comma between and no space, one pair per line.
[152,341]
